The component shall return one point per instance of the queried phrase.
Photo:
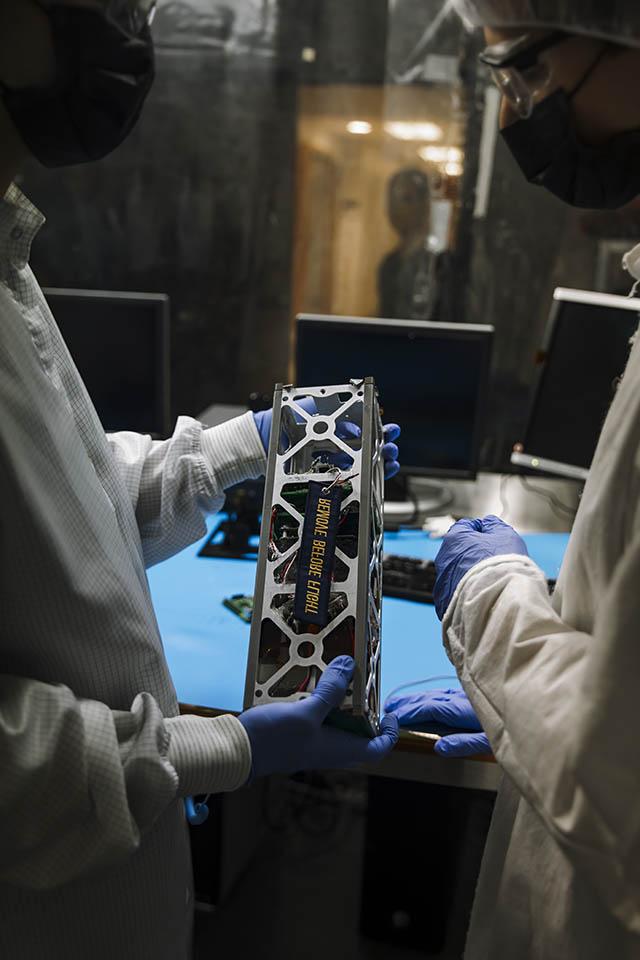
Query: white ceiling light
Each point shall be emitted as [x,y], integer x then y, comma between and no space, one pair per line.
[405,130]
[359,127]
[453,169]
[441,154]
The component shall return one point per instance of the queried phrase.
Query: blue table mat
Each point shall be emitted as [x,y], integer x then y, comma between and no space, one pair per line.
[206,644]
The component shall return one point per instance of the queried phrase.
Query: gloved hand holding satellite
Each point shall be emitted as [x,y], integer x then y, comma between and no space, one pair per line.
[347,430]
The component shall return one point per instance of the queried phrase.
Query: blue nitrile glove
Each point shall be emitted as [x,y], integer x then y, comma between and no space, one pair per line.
[196,813]
[390,452]
[346,431]
[448,707]
[467,543]
[287,737]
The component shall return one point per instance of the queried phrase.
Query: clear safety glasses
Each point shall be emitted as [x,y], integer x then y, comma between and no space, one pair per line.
[517,70]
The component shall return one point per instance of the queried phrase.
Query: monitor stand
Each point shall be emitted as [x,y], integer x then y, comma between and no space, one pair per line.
[236,535]
[402,506]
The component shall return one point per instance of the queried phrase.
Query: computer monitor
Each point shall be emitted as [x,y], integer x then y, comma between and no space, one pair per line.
[120,344]
[431,378]
[584,352]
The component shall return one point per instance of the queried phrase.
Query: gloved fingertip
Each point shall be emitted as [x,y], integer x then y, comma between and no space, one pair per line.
[463,745]
[390,726]
[398,701]
[347,429]
[331,688]
[478,743]
[386,740]
[344,663]
[492,521]
[390,451]
[308,404]
[391,431]
[467,523]
[391,467]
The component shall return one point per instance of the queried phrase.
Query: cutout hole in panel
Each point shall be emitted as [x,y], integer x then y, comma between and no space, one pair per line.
[284,532]
[340,641]
[283,605]
[296,495]
[287,571]
[375,584]
[294,421]
[274,650]
[349,426]
[340,570]
[347,536]
[295,680]
[318,456]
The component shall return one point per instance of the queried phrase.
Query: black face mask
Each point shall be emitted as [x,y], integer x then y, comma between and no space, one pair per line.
[103,77]
[550,155]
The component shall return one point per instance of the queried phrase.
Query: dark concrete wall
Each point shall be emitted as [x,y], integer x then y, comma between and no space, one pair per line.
[198,203]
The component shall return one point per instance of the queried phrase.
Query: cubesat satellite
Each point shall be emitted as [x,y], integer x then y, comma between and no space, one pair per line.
[319,576]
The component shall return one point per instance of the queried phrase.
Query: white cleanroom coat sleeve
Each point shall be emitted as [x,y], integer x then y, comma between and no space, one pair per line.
[174,483]
[560,708]
[81,783]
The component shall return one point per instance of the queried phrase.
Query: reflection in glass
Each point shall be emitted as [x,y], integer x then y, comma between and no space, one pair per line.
[378,178]
[411,278]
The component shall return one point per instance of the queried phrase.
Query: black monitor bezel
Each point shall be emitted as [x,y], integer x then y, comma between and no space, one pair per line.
[161,304]
[561,296]
[424,329]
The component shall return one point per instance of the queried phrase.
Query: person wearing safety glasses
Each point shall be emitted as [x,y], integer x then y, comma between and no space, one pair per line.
[95,761]
[554,682]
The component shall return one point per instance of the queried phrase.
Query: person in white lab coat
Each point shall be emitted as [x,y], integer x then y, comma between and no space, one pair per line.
[94,758]
[554,682]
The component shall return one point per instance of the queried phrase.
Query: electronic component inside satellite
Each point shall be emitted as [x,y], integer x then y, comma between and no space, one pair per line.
[318,583]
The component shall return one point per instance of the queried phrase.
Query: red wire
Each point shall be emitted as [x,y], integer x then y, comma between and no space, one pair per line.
[289,565]
[305,683]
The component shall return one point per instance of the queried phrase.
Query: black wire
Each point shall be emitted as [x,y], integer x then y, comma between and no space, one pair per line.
[415,504]
[555,504]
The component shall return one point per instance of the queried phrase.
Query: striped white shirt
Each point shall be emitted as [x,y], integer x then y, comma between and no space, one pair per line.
[94,759]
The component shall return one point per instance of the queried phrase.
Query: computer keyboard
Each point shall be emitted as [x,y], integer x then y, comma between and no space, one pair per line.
[408,578]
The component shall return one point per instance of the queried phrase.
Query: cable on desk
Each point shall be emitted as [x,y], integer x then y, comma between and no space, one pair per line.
[415,683]
[504,503]
[552,500]
[416,507]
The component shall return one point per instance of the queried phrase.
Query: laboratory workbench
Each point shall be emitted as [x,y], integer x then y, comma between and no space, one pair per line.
[206,644]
